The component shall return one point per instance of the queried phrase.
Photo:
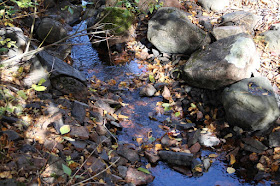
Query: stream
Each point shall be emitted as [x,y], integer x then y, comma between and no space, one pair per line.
[86,60]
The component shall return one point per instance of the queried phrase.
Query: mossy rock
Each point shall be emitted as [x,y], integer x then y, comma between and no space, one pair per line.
[120,19]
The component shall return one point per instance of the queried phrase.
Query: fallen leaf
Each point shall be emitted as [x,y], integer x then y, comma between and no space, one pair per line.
[166,93]
[260,167]
[6,174]
[213,156]
[158,147]
[143,170]
[64,129]
[230,170]
[232,159]
[120,116]
[139,140]
[66,170]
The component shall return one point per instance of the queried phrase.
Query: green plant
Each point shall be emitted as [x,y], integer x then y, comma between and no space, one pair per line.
[154,6]
[9,102]
[5,44]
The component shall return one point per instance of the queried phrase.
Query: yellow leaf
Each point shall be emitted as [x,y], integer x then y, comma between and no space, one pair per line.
[213,156]
[230,170]
[232,159]
[6,174]
[158,147]
[120,116]
[139,140]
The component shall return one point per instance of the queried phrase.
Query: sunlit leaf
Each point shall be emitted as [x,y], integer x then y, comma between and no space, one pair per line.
[64,129]
[193,105]
[66,170]
[213,156]
[166,106]
[68,138]
[120,116]
[177,114]
[143,170]
[39,88]
[151,78]
[158,147]
[232,159]
[42,80]
[230,170]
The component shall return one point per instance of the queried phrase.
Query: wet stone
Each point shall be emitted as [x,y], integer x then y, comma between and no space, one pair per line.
[167,142]
[209,140]
[149,90]
[195,148]
[183,170]
[138,178]
[177,158]
[152,158]
[253,145]
[206,164]
[128,153]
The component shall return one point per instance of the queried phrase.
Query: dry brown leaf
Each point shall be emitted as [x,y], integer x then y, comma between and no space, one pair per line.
[232,159]
[166,93]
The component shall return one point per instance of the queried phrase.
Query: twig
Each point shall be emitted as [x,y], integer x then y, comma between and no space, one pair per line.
[69,182]
[98,173]
[109,51]
[32,28]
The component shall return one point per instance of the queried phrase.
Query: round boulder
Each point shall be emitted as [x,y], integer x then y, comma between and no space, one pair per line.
[52,30]
[214,5]
[222,63]
[171,31]
[251,104]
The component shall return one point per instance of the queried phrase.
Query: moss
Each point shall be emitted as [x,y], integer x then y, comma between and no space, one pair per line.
[120,19]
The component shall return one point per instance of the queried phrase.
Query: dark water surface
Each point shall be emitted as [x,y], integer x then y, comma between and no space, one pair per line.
[86,59]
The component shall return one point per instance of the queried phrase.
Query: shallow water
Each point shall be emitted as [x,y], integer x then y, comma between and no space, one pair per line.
[86,59]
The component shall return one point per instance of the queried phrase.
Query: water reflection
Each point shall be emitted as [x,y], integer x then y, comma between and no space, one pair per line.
[86,59]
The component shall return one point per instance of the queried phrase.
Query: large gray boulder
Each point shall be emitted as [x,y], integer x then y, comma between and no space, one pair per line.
[171,31]
[247,20]
[272,39]
[51,30]
[251,104]
[214,5]
[226,31]
[222,63]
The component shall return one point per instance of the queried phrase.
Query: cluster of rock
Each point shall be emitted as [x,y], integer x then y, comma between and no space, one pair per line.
[230,60]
